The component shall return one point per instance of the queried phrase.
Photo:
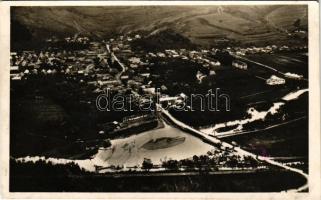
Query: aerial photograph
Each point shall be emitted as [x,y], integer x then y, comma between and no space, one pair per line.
[156,98]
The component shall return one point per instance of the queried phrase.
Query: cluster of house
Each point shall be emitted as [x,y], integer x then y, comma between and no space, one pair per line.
[274,80]
[199,57]
[126,122]
[30,62]
[178,100]
[121,43]
[266,49]
[91,67]
[83,63]
[76,38]
[77,62]
[252,50]
[136,62]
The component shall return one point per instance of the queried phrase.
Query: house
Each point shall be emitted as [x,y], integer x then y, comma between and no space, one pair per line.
[151,54]
[239,64]
[163,88]
[212,72]
[240,53]
[200,76]
[125,77]
[293,75]
[274,80]
[92,83]
[133,65]
[183,96]
[147,75]
[134,60]
[14,68]
[16,78]
[150,90]
[162,55]
[137,118]
[215,63]
[170,100]
[109,82]
[126,51]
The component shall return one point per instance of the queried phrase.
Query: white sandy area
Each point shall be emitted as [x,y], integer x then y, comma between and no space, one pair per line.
[128,152]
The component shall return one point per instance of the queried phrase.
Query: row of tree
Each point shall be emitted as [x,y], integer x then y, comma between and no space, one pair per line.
[204,162]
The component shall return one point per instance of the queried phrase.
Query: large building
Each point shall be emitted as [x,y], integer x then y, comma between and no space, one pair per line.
[274,80]
[239,64]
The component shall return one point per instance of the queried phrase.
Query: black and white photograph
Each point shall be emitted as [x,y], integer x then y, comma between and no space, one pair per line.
[159,98]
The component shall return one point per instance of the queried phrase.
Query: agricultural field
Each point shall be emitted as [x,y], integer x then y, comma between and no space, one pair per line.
[285,62]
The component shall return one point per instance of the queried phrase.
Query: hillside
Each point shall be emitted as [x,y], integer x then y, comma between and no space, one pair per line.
[203,25]
[163,39]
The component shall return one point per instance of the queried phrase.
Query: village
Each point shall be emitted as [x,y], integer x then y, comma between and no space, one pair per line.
[96,68]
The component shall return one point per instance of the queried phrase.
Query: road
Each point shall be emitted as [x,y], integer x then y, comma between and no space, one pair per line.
[288,158]
[117,60]
[180,173]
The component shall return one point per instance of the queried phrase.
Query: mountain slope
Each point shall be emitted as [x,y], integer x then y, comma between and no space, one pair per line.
[201,24]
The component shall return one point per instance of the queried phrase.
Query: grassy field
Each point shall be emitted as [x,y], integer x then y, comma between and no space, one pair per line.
[285,62]
[288,140]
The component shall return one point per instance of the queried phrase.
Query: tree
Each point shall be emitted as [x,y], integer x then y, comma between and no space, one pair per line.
[195,159]
[204,159]
[297,23]
[171,164]
[251,161]
[188,163]
[219,145]
[106,143]
[232,162]
[224,57]
[147,164]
